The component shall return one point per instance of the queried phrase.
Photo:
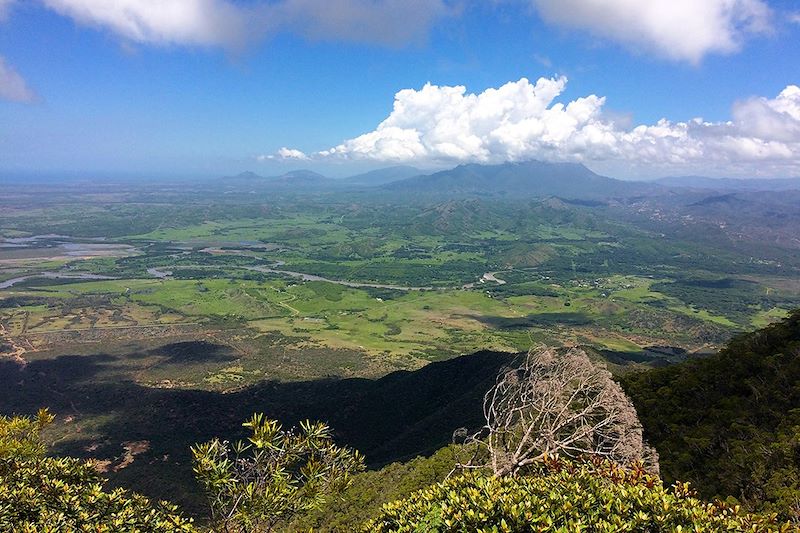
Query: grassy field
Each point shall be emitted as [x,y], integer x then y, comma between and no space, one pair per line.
[565,276]
[412,326]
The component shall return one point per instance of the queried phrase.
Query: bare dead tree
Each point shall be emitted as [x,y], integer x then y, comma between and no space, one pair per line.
[556,403]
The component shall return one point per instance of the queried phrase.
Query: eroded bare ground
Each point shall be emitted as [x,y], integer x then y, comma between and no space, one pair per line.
[11,349]
[131,449]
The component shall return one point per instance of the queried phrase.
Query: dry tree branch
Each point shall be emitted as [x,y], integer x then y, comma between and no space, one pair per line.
[556,402]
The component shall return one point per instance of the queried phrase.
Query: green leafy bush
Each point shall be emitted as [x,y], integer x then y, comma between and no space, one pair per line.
[278,473]
[39,493]
[564,497]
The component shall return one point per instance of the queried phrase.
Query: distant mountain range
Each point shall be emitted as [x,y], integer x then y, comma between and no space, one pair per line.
[731,184]
[303,178]
[530,179]
[308,178]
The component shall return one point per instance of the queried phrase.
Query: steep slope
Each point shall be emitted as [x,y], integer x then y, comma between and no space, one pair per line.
[399,416]
[730,423]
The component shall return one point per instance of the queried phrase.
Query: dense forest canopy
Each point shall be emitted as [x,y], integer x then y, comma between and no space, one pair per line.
[730,422]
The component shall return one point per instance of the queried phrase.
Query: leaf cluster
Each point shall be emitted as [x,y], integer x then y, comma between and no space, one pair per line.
[252,485]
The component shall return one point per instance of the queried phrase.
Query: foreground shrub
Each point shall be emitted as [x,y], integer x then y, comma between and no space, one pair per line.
[371,490]
[564,497]
[276,474]
[39,493]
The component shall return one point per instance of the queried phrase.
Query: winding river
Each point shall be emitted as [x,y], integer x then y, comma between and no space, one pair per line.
[52,275]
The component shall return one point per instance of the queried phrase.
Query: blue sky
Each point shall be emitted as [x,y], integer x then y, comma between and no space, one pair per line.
[210,87]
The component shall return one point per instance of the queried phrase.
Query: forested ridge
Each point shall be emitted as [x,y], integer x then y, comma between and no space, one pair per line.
[730,423]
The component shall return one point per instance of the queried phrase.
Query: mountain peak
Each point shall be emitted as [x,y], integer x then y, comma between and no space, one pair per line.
[301,174]
[382,176]
[246,175]
[519,179]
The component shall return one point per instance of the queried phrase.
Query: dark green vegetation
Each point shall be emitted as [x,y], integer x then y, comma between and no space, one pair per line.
[726,423]
[567,494]
[350,301]
[370,491]
[290,472]
[730,422]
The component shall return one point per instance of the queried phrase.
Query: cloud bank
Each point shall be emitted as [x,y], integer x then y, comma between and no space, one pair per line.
[189,22]
[234,24]
[522,120]
[13,86]
[683,30]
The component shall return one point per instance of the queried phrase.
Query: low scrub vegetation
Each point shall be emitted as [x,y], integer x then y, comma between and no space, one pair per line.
[564,496]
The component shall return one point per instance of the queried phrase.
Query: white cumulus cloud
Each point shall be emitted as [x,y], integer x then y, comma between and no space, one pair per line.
[286,154]
[683,30]
[13,86]
[522,120]
[193,22]
[232,24]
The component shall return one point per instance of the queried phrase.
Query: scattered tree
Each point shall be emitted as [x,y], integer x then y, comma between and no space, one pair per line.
[276,474]
[556,403]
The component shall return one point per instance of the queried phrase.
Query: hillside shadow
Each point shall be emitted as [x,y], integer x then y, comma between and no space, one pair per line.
[534,320]
[396,417]
[194,352]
